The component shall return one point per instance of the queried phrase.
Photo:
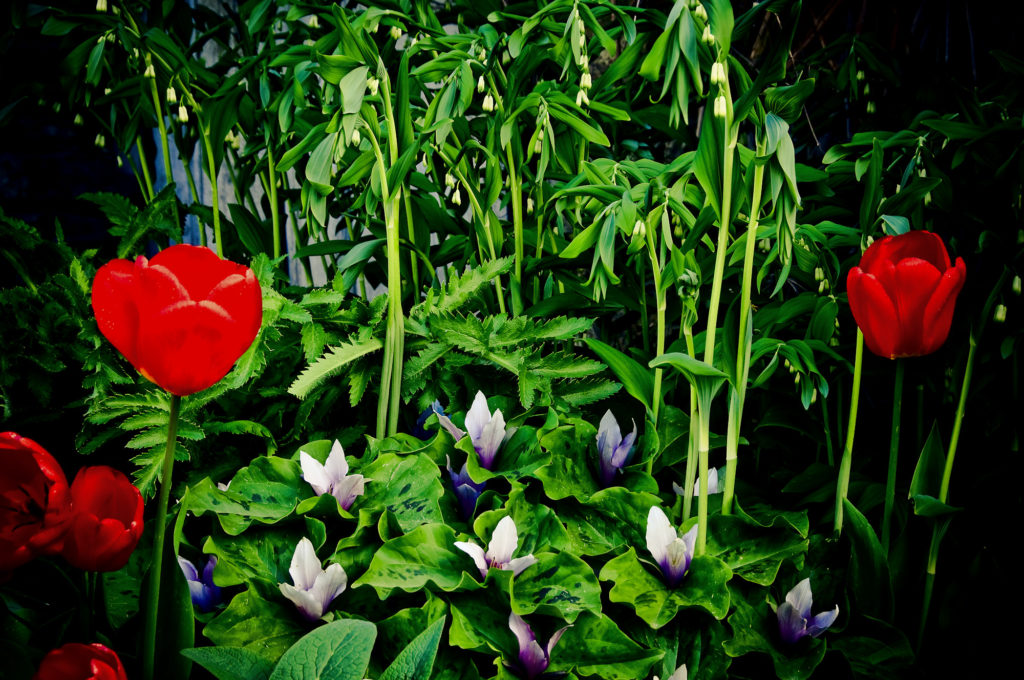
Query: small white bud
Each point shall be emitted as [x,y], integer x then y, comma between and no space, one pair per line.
[639,229]
[182,113]
[700,12]
[449,181]
[101,5]
[796,379]
[708,38]
[860,75]
[819,273]
[396,32]
[457,197]
[720,107]
[870,108]
[764,245]
[529,211]
[1015,286]
[150,72]
[582,99]
[538,144]
[717,73]
[314,21]
[79,121]
[814,396]
[583,41]
[585,81]
[488,104]
[374,85]
[356,137]
[584,62]
[100,141]
[481,85]
[999,316]
[107,91]
[172,96]
[867,89]
[869,241]
[822,286]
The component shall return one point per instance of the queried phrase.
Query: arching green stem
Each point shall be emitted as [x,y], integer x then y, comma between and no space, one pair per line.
[843,486]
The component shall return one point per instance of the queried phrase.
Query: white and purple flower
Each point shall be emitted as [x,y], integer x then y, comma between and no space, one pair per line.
[315,587]
[486,430]
[332,478]
[533,659]
[466,490]
[499,552]
[672,553]
[204,592]
[795,620]
[713,484]
[615,449]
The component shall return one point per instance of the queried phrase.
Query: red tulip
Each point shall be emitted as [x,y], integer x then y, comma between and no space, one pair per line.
[75,661]
[903,293]
[35,503]
[107,520]
[182,319]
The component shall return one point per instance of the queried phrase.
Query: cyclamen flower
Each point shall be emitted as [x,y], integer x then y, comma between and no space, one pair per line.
[204,592]
[533,659]
[795,620]
[672,553]
[315,587]
[466,490]
[615,449]
[486,431]
[333,477]
[713,484]
[499,553]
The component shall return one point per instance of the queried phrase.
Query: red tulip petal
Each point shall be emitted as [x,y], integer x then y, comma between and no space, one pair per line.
[239,294]
[915,280]
[874,312]
[921,244]
[189,346]
[199,269]
[938,313]
[113,303]
[875,252]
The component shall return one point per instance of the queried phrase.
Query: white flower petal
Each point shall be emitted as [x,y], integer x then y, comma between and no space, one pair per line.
[608,435]
[476,552]
[337,466]
[555,638]
[522,631]
[329,584]
[314,473]
[304,601]
[520,563]
[819,623]
[348,489]
[477,417]
[503,542]
[680,673]
[490,439]
[690,539]
[800,598]
[189,569]
[305,566]
[659,533]
[447,424]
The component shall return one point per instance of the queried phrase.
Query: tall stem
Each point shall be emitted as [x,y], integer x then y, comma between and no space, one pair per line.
[153,597]
[738,396]
[843,485]
[144,166]
[691,440]
[703,446]
[211,171]
[516,198]
[947,473]
[275,210]
[894,448]
[164,146]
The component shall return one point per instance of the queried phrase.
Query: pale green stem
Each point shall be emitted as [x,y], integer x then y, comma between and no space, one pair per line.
[843,486]
[516,198]
[703,446]
[211,171]
[894,448]
[144,165]
[947,473]
[691,440]
[164,146]
[275,211]
[153,596]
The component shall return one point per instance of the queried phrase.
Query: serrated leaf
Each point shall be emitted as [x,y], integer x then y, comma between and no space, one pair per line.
[331,363]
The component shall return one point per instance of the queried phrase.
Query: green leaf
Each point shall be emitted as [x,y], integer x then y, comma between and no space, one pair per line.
[416,661]
[613,518]
[755,629]
[596,646]
[869,580]
[266,628]
[754,553]
[559,584]
[340,651]
[573,455]
[930,464]
[330,364]
[424,555]
[407,486]
[703,586]
[638,380]
[706,380]
[231,663]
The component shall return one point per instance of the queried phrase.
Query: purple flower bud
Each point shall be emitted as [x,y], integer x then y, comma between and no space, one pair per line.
[795,620]
[614,449]
[486,430]
[672,553]
[466,490]
[503,543]
[204,592]
[421,432]
[533,659]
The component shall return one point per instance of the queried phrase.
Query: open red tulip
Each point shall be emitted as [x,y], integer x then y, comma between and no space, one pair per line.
[182,319]
[106,524]
[75,661]
[35,503]
[903,293]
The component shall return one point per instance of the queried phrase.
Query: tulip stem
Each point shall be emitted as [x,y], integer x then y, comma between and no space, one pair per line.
[847,461]
[940,523]
[153,596]
[894,448]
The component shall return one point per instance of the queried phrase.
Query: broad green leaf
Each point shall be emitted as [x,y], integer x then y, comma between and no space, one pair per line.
[613,518]
[265,628]
[574,458]
[340,651]
[703,586]
[407,486]
[559,584]
[231,663]
[427,554]
[753,553]
[416,662]
[638,380]
[869,580]
[596,646]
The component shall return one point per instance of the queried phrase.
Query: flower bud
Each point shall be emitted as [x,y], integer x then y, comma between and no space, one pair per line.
[107,91]
[456,197]
[822,286]
[581,98]
[314,21]
[867,89]
[480,84]
[819,273]
[449,181]
[583,41]
[764,245]
[796,379]
[150,72]
[870,108]
[814,396]
[79,121]
[700,12]
[585,81]
[100,141]
[120,163]
[101,5]
[529,211]
[396,32]
[860,75]
[708,38]
[720,107]
[584,63]
[868,241]
[488,104]
[538,144]
[639,229]
[999,315]
[356,137]
[1015,286]
[182,113]
[718,73]
[374,85]
[172,96]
